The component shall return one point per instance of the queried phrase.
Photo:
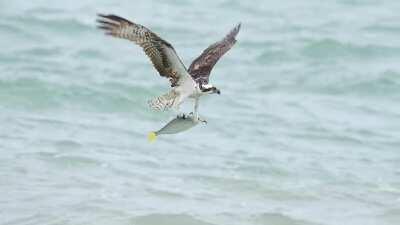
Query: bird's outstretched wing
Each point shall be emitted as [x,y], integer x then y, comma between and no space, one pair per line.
[201,67]
[160,52]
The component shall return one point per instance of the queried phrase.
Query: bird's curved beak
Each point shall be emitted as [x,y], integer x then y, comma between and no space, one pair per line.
[218,91]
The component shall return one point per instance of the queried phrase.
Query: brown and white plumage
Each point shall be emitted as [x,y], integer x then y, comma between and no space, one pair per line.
[201,67]
[162,55]
[185,83]
[160,52]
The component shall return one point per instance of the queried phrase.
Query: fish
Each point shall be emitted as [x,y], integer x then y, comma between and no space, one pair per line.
[178,124]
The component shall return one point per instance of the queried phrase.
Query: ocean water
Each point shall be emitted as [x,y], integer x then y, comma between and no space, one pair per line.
[305,132]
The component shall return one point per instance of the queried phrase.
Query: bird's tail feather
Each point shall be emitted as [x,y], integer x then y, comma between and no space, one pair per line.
[165,101]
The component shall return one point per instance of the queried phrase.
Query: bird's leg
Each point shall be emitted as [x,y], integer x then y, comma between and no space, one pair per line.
[196,108]
[178,112]
[180,115]
[196,111]
[177,104]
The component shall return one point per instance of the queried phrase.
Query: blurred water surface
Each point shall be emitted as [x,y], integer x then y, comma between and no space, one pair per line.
[306,131]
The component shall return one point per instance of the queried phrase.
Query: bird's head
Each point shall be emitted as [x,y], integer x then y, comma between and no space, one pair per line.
[209,89]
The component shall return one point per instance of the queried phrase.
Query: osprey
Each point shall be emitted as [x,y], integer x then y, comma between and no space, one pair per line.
[191,83]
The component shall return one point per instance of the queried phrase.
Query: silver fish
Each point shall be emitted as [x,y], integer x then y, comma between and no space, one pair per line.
[176,125]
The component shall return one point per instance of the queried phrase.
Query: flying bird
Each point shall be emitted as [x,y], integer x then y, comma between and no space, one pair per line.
[185,83]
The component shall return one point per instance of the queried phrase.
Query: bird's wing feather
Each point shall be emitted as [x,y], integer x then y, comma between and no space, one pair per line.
[161,53]
[201,67]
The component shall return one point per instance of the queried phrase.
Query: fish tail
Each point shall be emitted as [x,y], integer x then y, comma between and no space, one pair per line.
[152,136]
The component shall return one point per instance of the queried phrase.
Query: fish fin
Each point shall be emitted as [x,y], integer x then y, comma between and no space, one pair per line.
[152,136]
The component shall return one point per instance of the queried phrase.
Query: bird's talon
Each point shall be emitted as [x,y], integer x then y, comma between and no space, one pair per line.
[182,116]
[201,120]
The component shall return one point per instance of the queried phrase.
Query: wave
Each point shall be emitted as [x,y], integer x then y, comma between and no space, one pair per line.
[37,94]
[381,28]
[386,83]
[33,24]
[275,56]
[279,219]
[176,219]
[329,48]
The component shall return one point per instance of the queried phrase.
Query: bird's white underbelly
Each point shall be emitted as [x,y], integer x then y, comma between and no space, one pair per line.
[196,93]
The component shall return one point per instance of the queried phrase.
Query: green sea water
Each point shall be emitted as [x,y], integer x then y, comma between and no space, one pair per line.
[305,132]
